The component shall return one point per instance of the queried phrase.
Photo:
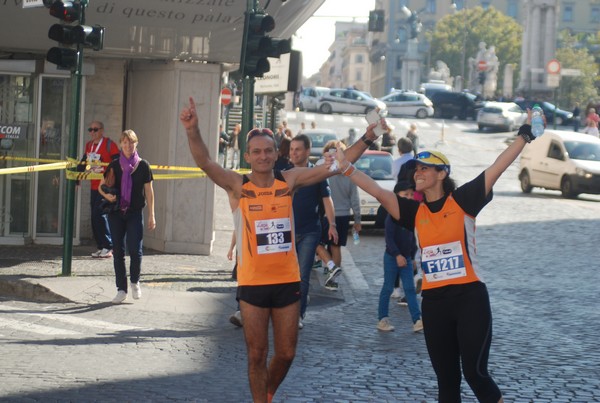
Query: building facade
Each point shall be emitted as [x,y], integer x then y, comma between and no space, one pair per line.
[155,56]
[390,50]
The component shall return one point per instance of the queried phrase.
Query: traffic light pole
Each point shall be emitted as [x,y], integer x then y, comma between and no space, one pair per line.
[247,117]
[248,94]
[72,153]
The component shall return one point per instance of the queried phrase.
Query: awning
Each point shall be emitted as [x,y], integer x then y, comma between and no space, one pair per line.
[203,30]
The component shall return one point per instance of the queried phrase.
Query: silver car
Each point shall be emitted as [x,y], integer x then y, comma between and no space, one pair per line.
[408,103]
[309,98]
[341,100]
[377,165]
[318,139]
[501,115]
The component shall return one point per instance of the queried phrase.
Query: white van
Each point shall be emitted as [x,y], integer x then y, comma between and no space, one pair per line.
[434,86]
[561,160]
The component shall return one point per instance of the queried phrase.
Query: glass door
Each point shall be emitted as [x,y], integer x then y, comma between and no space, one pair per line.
[53,143]
[16,141]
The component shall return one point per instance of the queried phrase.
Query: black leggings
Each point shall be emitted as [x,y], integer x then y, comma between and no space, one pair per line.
[458,328]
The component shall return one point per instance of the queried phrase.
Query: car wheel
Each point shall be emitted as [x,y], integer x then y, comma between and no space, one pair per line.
[421,114]
[525,182]
[559,121]
[325,108]
[566,188]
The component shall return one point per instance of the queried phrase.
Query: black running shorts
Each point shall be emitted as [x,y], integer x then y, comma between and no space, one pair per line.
[270,296]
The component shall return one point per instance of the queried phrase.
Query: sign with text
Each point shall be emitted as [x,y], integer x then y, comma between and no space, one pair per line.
[12,131]
[276,80]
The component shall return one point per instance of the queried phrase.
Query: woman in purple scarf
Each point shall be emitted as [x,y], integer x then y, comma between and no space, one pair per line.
[131,190]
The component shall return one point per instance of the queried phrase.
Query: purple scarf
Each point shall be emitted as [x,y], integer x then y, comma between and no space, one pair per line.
[128,165]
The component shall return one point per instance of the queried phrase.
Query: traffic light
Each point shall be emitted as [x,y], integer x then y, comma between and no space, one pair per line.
[376,21]
[257,46]
[481,77]
[71,37]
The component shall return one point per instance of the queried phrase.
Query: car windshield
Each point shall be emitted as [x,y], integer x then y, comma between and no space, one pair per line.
[377,166]
[579,150]
[320,139]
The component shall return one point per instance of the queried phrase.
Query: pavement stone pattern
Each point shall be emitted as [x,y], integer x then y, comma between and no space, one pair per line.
[539,255]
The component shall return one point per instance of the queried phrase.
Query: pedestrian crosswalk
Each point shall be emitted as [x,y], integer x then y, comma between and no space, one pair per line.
[51,324]
[294,119]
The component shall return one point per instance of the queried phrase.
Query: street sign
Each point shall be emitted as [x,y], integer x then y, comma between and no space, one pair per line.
[226,96]
[552,80]
[571,72]
[553,67]
[482,65]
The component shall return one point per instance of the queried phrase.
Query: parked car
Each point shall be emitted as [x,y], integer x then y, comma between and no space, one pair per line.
[561,160]
[562,117]
[501,115]
[309,98]
[341,100]
[449,104]
[318,138]
[378,165]
[408,103]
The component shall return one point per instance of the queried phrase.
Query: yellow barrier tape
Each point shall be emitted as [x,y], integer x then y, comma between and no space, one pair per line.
[35,168]
[50,164]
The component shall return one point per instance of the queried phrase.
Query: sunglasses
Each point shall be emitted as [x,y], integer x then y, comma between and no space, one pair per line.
[259,132]
[94,129]
[426,154]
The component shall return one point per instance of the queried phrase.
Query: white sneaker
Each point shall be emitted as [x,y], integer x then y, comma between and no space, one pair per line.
[136,290]
[418,326]
[105,253]
[300,324]
[97,253]
[396,293]
[236,319]
[384,325]
[120,297]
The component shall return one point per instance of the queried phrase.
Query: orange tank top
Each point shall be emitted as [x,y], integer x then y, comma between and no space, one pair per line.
[266,251]
[446,242]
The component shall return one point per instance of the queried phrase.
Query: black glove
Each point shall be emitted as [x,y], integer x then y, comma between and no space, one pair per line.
[525,132]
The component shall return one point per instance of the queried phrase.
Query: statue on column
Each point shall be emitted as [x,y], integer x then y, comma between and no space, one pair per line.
[486,65]
[491,77]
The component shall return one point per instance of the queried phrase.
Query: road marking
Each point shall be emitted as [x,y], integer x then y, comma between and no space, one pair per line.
[328,118]
[347,119]
[79,321]
[352,274]
[291,116]
[32,328]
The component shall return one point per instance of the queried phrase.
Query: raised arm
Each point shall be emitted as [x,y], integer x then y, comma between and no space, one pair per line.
[227,179]
[508,156]
[387,198]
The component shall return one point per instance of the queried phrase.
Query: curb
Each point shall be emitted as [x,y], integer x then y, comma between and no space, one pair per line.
[13,287]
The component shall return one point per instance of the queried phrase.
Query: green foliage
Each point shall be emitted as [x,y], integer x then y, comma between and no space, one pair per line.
[583,88]
[456,38]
